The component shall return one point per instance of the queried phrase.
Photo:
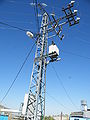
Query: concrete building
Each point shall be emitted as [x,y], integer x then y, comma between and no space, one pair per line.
[84,114]
[9,114]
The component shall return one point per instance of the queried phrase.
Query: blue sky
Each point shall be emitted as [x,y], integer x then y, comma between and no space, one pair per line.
[73,69]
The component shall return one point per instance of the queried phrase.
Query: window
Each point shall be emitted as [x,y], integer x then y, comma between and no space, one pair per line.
[76,119]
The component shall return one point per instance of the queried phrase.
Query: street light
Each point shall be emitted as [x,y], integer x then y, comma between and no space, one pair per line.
[29,34]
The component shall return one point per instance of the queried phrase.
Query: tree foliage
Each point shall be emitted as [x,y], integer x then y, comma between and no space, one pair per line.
[49,118]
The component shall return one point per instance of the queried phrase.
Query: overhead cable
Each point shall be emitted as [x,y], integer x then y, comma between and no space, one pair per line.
[64,87]
[6,24]
[78,55]
[36,13]
[53,98]
[7,92]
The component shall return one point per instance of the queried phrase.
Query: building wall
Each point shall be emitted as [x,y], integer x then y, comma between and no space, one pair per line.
[3,117]
[86,114]
[78,118]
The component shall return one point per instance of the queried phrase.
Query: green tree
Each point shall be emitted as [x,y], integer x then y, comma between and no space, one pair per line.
[49,118]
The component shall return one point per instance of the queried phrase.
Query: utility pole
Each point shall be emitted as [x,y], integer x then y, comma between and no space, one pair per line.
[35,109]
[36,99]
[61,118]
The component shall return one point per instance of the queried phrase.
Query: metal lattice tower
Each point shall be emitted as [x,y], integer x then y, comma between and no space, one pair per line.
[36,99]
[35,109]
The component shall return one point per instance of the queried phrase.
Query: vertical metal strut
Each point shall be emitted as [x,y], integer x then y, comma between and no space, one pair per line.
[36,98]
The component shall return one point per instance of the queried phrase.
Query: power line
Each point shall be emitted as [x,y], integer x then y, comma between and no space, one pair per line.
[79,38]
[14,2]
[14,21]
[18,73]
[78,55]
[15,13]
[82,40]
[57,101]
[63,87]
[4,28]
[15,27]
[50,6]
[85,41]
[36,13]
[83,32]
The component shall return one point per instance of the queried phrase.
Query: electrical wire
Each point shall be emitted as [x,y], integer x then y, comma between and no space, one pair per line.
[36,13]
[82,40]
[14,2]
[6,24]
[4,28]
[78,38]
[53,98]
[18,73]
[13,21]
[15,13]
[78,55]
[87,42]
[68,96]
[50,6]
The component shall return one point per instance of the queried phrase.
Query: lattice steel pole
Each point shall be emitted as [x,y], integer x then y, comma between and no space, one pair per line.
[36,98]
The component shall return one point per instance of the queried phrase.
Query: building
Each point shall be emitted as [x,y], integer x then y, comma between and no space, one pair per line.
[82,115]
[10,114]
[1,107]
[3,117]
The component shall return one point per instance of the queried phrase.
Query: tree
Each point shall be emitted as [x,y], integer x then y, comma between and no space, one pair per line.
[49,118]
